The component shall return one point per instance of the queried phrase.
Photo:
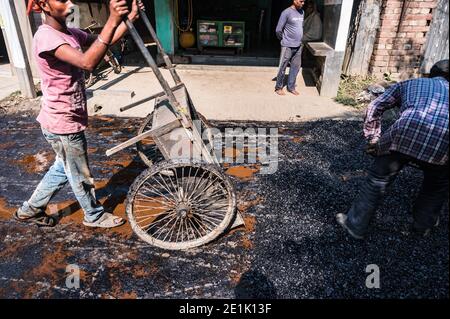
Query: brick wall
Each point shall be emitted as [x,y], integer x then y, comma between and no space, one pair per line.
[399,43]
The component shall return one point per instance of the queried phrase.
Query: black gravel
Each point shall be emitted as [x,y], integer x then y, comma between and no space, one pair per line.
[296,251]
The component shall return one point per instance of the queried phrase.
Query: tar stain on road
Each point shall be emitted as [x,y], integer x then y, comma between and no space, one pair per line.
[290,246]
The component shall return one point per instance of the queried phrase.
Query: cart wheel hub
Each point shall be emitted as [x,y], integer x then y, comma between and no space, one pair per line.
[183,210]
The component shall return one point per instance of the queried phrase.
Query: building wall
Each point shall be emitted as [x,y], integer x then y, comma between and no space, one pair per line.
[165,28]
[399,44]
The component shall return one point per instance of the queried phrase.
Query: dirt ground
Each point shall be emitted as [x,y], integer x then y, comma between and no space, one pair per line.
[290,246]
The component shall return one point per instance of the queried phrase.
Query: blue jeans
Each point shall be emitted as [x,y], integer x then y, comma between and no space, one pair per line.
[428,205]
[293,56]
[71,165]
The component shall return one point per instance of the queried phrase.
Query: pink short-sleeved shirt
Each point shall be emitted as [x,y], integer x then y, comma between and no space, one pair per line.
[64,106]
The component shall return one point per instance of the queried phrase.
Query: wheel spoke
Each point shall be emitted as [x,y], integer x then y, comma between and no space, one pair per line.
[185,207]
[211,218]
[197,185]
[151,216]
[207,222]
[209,212]
[171,229]
[204,190]
[154,200]
[179,230]
[166,188]
[200,223]
[193,225]
[211,197]
[162,228]
[157,192]
[156,223]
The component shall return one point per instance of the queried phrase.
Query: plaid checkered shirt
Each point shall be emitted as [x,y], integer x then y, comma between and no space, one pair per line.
[421,131]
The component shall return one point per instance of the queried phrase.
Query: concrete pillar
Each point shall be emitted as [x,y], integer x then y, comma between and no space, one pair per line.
[17,47]
[165,25]
[338,14]
[25,29]
[8,50]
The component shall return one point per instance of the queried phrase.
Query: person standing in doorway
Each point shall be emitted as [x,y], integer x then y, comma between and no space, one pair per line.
[290,32]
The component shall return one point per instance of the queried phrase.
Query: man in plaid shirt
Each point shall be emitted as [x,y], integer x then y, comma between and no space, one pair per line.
[419,136]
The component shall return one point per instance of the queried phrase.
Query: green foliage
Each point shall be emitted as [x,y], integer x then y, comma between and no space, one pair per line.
[350,87]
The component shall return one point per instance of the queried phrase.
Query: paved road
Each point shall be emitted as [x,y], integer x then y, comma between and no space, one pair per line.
[290,247]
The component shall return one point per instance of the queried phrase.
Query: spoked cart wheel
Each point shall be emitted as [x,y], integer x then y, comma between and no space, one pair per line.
[179,205]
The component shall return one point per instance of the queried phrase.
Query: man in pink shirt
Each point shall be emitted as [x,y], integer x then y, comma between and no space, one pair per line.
[63,115]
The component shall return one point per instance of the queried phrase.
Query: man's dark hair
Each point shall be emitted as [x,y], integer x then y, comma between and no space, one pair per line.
[440,69]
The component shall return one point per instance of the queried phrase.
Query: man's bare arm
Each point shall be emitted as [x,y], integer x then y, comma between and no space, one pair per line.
[89,59]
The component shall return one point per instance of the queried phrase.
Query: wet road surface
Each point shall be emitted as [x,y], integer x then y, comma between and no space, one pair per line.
[290,247]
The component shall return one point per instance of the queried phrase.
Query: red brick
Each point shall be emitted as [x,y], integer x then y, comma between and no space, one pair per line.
[417,22]
[413,5]
[403,52]
[393,69]
[390,16]
[381,52]
[377,58]
[420,40]
[385,2]
[401,40]
[425,11]
[401,65]
[392,11]
[388,28]
[415,29]
[389,23]
[419,16]
[388,40]
[401,60]
[381,63]
[387,34]
[427,5]
[405,46]
[392,4]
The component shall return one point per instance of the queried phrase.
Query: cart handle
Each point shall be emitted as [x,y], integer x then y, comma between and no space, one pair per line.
[166,58]
[179,112]
[149,98]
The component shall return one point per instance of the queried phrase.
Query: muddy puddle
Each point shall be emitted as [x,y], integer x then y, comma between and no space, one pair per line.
[36,163]
[244,173]
[6,211]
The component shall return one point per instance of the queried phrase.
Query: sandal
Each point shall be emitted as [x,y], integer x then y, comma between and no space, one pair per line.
[107,220]
[40,219]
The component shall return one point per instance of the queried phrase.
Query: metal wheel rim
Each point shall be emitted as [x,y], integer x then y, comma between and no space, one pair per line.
[158,217]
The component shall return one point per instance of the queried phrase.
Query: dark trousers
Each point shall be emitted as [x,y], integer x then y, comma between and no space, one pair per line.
[294,57]
[432,197]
